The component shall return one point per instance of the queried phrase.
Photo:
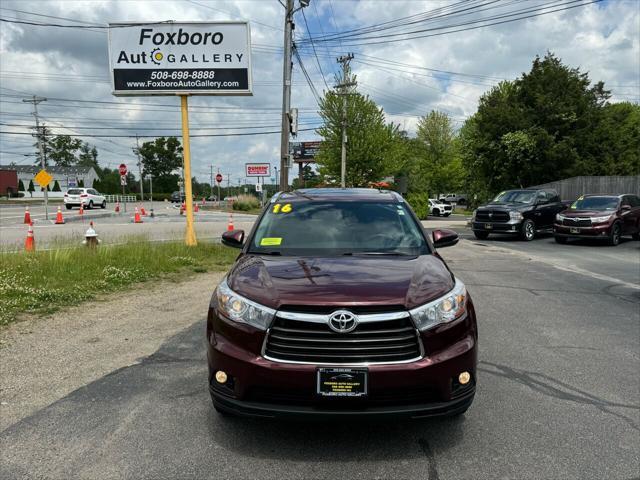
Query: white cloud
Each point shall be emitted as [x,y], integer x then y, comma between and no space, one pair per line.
[602,39]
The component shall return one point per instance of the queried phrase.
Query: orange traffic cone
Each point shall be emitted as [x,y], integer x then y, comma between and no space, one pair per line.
[142,211]
[182,208]
[230,225]
[195,207]
[117,207]
[136,217]
[30,242]
[81,211]
[59,219]
[27,216]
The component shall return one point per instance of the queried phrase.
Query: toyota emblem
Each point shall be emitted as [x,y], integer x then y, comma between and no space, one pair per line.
[343,321]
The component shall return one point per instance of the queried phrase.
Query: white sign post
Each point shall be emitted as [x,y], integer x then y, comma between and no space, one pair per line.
[186,58]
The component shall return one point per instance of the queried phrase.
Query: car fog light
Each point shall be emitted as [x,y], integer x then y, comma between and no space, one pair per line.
[221,377]
[463,378]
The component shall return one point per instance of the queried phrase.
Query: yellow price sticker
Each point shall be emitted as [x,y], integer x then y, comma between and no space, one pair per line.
[270,241]
[276,208]
[287,208]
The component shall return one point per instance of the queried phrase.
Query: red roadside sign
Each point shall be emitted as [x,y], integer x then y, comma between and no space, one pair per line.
[219,178]
[123,169]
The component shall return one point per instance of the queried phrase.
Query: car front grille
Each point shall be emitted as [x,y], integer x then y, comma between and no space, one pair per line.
[492,216]
[576,222]
[387,341]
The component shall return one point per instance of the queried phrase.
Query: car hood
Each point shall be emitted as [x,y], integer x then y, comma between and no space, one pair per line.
[505,206]
[587,213]
[340,281]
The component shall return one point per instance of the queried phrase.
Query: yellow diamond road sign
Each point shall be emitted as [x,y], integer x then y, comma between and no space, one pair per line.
[43,178]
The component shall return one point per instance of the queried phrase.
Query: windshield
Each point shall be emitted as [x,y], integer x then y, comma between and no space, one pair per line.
[515,196]
[595,203]
[338,228]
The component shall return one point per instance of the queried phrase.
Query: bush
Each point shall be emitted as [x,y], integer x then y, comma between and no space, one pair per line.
[21,186]
[246,203]
[420,204]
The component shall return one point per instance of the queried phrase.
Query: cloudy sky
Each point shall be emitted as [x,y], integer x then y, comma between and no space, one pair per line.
[449,60]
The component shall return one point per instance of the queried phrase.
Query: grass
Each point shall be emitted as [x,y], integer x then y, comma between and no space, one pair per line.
[42,282]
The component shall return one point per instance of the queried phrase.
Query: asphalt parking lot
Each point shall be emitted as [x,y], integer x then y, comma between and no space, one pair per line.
[557,394]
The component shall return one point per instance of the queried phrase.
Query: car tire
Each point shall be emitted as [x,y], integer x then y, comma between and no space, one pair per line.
[636,236]
[69,207]
[561,240]
[435,212]
[103,205]
[481,235]
[447,214]
[616,233]
[90,206]
[528,230]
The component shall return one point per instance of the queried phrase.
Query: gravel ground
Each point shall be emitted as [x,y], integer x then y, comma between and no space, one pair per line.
[44,359]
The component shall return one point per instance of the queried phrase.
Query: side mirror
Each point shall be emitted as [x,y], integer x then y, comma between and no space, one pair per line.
[444,238]
[234,238]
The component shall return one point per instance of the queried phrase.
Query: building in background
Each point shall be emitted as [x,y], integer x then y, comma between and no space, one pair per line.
[67,177]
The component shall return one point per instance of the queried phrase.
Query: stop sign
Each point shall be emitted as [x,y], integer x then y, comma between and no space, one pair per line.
[219,178]
[123,169]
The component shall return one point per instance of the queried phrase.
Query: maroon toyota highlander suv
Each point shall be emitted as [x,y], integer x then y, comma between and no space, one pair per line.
[339,305]
[606,217]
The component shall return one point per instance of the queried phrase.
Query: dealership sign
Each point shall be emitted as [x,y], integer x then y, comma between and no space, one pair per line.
[180,58]
[257,169]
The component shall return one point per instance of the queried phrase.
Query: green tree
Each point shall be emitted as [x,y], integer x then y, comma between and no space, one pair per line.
[618,141]
[161,157]
[31,188]
[374,148]
[21,186]
[56,186]
[88,156]
[63,149]
[42,146]
[436,166]
[309,178]
[536,129]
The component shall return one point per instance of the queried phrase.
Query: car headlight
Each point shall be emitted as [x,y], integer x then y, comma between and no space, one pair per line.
[603,219]
[241,309]
[443,310]
[473,215]
[515,215]
[559,217]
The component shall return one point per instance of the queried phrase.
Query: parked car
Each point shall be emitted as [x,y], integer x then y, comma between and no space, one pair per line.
[88,197]
[605,217]
[437,208]
[178,197]
[339,305]
[457,198]
[524,212]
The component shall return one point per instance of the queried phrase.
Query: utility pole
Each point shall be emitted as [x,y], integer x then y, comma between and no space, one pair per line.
[287,68]
[344,60]
[139,169]
[212,179]
[40,138]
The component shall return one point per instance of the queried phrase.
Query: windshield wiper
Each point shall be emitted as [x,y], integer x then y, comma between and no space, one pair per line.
[390,252]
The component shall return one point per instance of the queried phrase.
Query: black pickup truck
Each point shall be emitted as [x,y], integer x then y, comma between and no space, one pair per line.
[522,212]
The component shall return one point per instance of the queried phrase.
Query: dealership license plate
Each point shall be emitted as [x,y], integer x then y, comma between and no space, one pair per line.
[342,382]
[574,230]
[488,226]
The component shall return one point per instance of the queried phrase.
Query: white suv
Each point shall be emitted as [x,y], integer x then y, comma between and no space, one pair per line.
[438,207]
[87,196]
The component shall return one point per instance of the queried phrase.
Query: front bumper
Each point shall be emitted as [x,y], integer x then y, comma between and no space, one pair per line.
[261,387]
[595,231]
[501,227]
[265,410]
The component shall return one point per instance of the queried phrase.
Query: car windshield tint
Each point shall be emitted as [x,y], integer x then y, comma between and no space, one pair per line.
[515,196]
[338,228]
[74,191]
[595,203]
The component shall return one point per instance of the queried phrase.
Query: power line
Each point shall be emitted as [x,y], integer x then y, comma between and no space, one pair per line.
[314,49]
